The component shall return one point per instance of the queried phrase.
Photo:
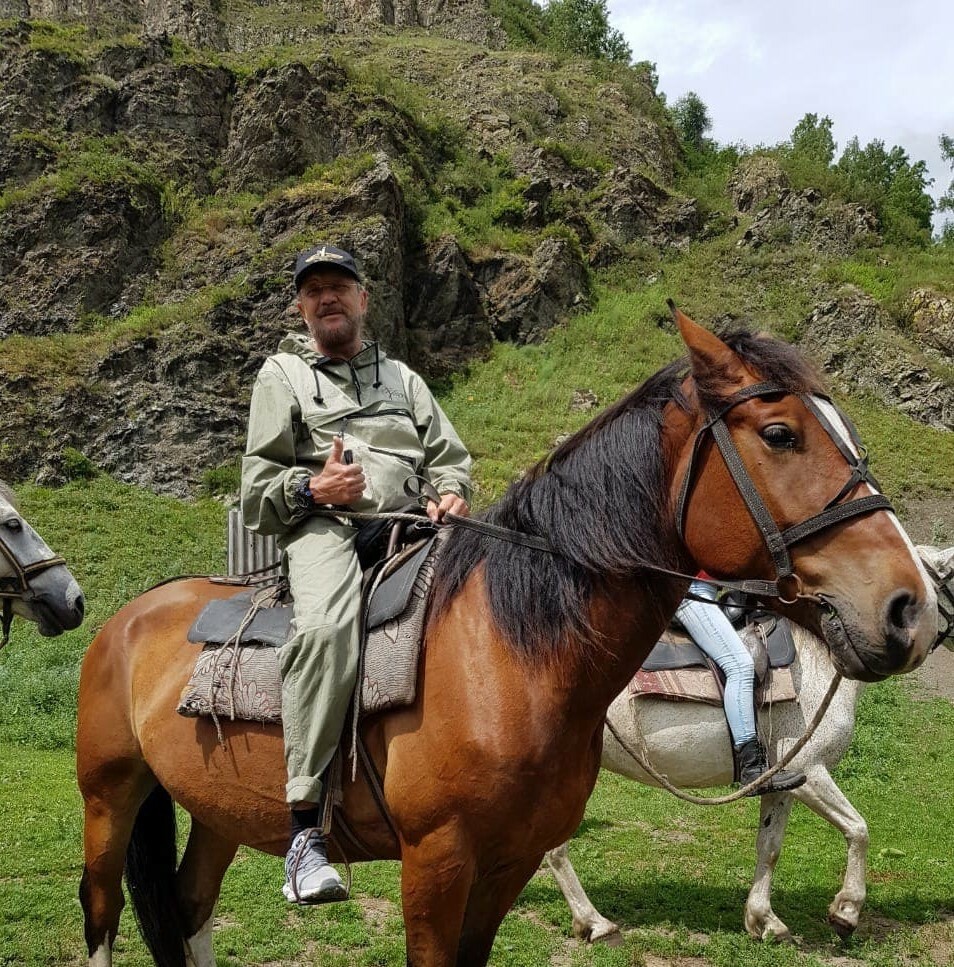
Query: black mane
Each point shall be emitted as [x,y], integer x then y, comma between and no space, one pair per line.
[601,500]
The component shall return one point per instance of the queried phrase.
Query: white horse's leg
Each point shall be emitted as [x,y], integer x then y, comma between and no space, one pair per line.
[101,957]
[588,923]
[760,919]
[822,796]
[198,947]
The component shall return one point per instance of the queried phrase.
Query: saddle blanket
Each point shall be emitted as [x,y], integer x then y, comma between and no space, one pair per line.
[677,669]
[700,685]
[243,681]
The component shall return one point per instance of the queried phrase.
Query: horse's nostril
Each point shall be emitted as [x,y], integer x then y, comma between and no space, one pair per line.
[901,616]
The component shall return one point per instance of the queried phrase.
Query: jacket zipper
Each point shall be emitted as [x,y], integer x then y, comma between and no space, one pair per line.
[371,416]
[410,461]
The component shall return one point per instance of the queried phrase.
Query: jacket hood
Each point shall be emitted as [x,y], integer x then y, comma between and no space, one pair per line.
[301,344]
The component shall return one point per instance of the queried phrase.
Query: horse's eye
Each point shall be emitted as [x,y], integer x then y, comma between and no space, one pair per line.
[779,437]
[13,524]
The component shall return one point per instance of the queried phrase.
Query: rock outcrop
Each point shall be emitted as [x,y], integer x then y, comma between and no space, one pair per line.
[208,23]
[827,225]
[862,349]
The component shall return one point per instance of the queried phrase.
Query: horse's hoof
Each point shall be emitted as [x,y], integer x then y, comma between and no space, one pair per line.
[775,932]
[609,938]
[844,928]
[605,932]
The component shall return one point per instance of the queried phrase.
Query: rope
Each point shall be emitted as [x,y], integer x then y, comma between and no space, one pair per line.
[745,790]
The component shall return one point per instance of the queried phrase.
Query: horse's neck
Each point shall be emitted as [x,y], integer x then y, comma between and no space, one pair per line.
[630,619]
[816,672]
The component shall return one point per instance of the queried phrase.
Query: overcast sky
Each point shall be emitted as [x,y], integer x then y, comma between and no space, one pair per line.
[877,69]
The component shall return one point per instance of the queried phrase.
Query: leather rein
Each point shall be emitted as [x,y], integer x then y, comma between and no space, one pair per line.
[836,511]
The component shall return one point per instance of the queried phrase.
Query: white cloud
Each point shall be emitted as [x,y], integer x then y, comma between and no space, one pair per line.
[879,70]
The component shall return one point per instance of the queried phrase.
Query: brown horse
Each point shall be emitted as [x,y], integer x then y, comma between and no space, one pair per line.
[525,650]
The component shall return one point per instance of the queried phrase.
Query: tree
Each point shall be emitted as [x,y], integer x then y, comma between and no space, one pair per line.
[582,27]
[692,120]
[892,185]
[812,139]
[946,203]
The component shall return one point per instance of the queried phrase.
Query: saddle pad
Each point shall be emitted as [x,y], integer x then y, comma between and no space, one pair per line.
[699,685]
[674,650]
[244,682]
[220,620]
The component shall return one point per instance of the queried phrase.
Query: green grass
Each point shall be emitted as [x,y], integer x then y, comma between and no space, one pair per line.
[118,541]
[673,875]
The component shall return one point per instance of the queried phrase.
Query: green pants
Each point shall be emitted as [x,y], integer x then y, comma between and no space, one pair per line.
[319,663]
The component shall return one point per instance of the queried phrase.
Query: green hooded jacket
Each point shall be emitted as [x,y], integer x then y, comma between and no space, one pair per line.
[388,418]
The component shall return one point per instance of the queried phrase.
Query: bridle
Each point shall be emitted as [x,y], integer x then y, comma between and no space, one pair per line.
[836,511]
[16,586]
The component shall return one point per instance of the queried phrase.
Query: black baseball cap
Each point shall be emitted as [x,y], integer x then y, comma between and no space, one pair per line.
[324,256]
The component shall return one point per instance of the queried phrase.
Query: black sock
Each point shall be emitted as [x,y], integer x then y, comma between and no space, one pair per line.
[303,819]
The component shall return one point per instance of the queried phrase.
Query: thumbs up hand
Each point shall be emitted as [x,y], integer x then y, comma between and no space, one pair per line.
[338,482]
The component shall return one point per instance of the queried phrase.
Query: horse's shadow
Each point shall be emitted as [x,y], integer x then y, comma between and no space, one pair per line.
[700,907]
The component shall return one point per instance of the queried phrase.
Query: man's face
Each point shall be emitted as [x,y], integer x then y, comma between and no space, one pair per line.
[333,306]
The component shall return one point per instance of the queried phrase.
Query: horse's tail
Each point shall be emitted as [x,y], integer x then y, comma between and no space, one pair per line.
[150,878]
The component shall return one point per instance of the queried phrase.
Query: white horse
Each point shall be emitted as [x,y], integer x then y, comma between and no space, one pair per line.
[35,583]
[689,744]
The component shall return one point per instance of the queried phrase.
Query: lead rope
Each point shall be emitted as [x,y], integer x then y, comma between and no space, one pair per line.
[643,763]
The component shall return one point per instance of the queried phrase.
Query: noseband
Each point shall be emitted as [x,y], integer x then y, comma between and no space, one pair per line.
[778,542]
[17,585]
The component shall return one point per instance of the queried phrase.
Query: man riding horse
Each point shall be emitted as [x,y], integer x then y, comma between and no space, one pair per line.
[333,422]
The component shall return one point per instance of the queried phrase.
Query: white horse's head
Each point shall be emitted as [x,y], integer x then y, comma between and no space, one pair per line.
[939,563]
[34,582]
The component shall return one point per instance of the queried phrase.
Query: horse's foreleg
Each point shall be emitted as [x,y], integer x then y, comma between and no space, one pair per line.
[760,919]
[198,881]
[822,796]
[436,877]
[491,896]
[588,923]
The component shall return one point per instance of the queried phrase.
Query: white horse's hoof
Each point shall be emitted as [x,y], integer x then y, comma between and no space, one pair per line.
[844,927]
[599,931]
[768,928]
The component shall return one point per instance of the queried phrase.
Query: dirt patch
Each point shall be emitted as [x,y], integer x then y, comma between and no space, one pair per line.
[935,678]
[939,940]
[651,960]
[377,911]
[929,520]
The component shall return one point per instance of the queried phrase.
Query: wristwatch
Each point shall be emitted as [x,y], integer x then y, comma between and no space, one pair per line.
[301,496]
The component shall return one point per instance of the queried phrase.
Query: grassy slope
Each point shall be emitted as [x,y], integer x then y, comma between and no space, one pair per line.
[675,874]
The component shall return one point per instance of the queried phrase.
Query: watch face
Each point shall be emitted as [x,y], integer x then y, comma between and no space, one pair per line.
[303,495]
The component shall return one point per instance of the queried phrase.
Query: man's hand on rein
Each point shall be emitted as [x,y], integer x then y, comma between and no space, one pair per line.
[450,504]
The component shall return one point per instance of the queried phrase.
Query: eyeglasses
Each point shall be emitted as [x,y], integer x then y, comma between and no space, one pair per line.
[338,289]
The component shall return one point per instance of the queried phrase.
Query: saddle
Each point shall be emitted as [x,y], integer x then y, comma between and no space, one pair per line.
[237,675]
[678,670]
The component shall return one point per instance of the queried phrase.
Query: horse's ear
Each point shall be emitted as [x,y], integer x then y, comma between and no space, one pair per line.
[714,365]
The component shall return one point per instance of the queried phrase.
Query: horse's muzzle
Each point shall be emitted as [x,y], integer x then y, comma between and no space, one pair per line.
[901,644]
[58,608]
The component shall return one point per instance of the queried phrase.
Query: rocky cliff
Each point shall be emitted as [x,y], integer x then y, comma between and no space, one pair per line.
[162,163]
[249,25]
[154,197]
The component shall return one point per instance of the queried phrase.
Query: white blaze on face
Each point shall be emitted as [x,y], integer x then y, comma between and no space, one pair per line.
[834,417]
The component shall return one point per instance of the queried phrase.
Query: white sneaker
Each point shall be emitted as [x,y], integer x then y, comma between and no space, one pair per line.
[309,877]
